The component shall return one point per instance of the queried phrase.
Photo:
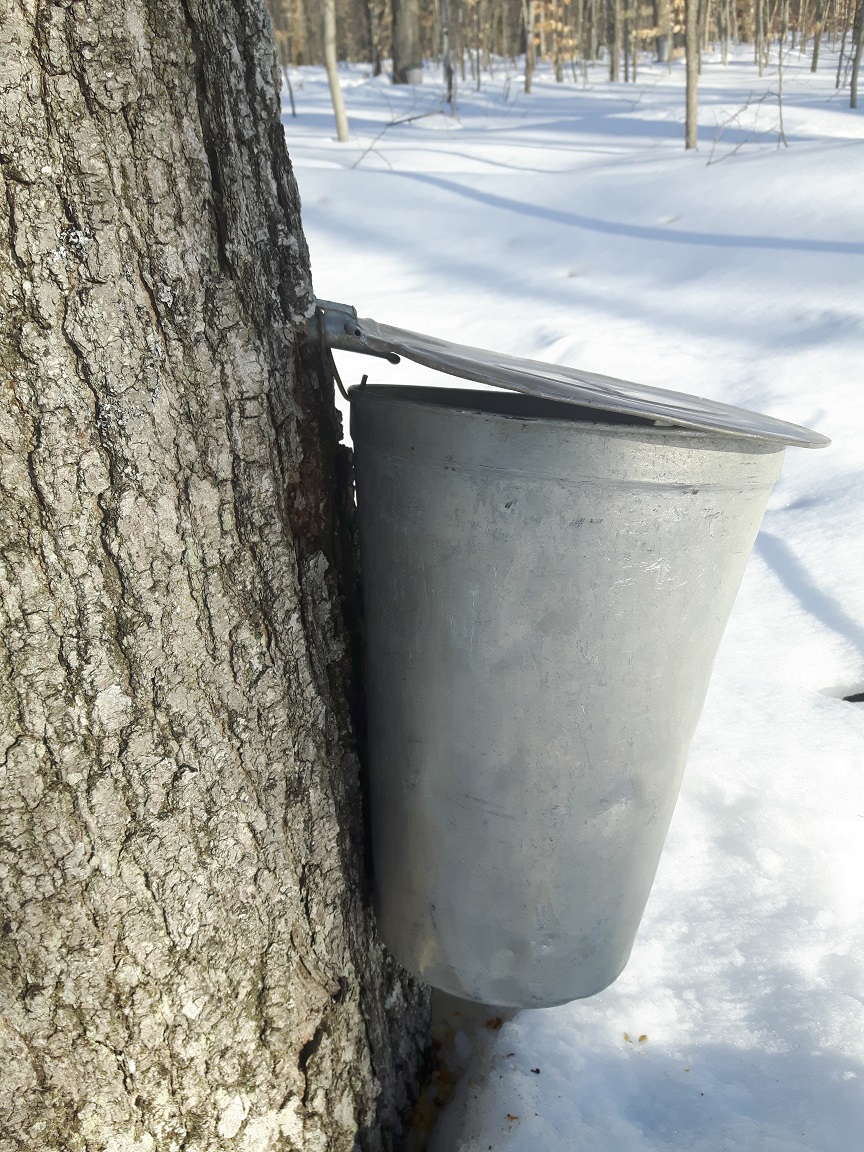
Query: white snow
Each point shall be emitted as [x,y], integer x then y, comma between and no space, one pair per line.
[572,226]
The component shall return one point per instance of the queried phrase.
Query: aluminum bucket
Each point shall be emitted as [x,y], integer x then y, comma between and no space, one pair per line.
[545,587]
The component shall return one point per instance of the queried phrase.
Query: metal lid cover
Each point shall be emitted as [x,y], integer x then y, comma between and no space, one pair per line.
[339,328]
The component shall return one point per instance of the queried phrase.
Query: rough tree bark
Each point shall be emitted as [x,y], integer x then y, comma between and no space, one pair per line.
[187,960]
[407,57]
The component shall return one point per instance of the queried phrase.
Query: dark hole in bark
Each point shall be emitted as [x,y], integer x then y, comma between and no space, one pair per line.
[855,698]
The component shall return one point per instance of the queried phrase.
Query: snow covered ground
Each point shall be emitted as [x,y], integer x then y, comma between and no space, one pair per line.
[571,226]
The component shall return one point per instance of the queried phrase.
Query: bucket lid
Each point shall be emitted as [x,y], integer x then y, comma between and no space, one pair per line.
[338,327]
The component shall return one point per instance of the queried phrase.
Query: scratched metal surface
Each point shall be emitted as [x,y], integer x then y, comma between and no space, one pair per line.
[544,596]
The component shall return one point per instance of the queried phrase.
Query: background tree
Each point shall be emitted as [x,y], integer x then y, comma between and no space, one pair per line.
[328,9]
[562,32]
[857,49]
[376,19]
[289,30]
[613,36]
[447,55]
[187,959]
[407,53]
[528,22]
[483,33]
[691,34]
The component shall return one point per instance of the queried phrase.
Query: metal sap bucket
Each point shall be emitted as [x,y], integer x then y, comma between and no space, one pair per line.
[545,585]
[544,596]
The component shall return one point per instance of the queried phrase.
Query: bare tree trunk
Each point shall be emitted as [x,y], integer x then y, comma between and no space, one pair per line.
[781,44]
[187,959]
[613,37]
[507,33]
[487,12]
[858,44]
[634,37]
[460,34]
[477,37]
[407,57]
[332,67]
[663,22]
[528,20]
[301,47]
[817,34]
[691,47]
[761,35]
[847,19]
[557,34]
[726,30]
[280,16]
[373,19]
[447,55]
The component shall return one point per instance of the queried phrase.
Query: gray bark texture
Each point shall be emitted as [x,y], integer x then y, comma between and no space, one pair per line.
[406,39]
[187,956]
[858,49]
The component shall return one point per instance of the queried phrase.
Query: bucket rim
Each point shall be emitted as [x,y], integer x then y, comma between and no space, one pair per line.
[624,424]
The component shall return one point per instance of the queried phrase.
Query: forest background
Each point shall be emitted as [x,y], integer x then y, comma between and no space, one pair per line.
[467,35]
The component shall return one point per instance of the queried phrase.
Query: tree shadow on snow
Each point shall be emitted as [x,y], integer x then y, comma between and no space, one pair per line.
[636,231]
[794,576]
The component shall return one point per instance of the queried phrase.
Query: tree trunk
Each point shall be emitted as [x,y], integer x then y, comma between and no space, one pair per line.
[781,44]
[187,958]
[280,17]
[841,58]
[373,21]
[691,48]
[407,58]
[613,34]
[817,35]
[477,7]
[530,57]
[447,55]
[761,34]
[331,65]
[858,48]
